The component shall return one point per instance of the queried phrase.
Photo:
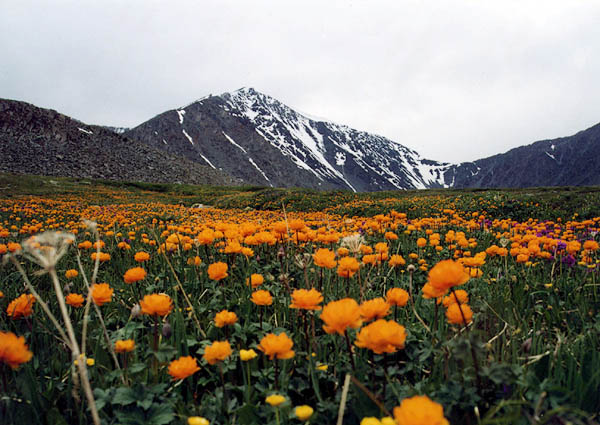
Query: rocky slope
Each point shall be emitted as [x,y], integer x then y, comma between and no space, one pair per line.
[257,138]
[566,161]
[42,141]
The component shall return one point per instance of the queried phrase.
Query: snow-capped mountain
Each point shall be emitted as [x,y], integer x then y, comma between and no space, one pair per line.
[255,137]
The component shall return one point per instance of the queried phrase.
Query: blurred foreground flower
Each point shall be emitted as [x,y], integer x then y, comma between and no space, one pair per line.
[13,350]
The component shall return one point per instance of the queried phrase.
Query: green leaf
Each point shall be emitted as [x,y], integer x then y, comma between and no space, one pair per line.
[124,396]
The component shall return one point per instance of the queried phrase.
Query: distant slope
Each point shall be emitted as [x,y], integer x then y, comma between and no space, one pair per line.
[257,138]
[42,141]
[566,161]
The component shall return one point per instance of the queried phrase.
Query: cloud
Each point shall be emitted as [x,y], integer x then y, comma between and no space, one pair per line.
[454,80]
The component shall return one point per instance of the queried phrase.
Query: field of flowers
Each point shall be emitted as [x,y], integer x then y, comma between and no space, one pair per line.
[474,308]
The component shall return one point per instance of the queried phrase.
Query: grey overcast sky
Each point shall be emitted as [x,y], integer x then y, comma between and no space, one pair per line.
[454,80]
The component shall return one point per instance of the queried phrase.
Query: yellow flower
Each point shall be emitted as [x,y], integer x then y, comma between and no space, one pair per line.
[197,420]
[275,399]
[303,412]
[370,420]
[246,355]
[388,420]
[90,362]
[322,367]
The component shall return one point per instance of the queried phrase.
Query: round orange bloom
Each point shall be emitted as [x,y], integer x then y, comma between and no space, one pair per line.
[396,260]
[101,293]
[21,306]
[103,256]
[13,246]
[446,274]
[591,245]
[217,271]
[340,315]
[454,315]
[463,297]
[141,256]
[134,275]
[13,350]
[306,299]
[421,242]
[217,351]
[3,249]
[75,300]
[124,346]
[159,304]
[374,309]
[279,346]
[324,258]
[382,336]
[84,245]
[262,298]
[71,273]
[347,267]
[419,410]
[396,296]
[224,318]
[430,292]
[255,280]
[183,367]
[296,224]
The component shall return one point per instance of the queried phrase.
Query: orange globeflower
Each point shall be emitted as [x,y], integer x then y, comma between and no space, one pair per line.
[255,280]
[347,266]
[396,260]
[101,293]
[454,315]
[262,298]
[382,336]
[279,346]
[419,410]
[13,350]
[324,258]
[374,309]
[183,367]
[217,351]
[84,245]
[340,315]
[21,306]
[124,346]
[217,271]
[430,292]
[71,273]
[75,300]
[224,318]
[447,274]
[134,275]
[463,297]
[156,304]
[306,299]
[103,256]
[397,296]
[296,224]
[141,256]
